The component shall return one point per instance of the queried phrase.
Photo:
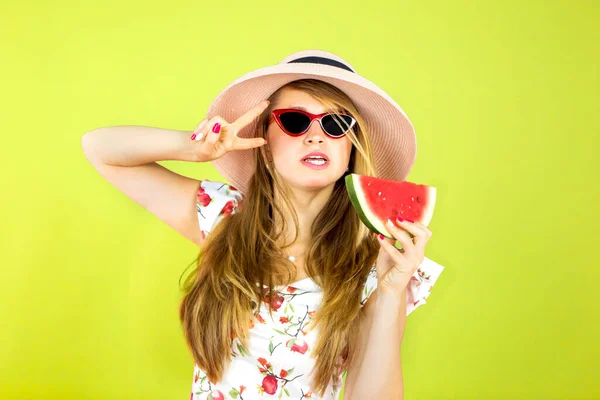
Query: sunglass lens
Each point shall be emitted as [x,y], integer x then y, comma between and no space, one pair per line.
[294,122]
[330,125]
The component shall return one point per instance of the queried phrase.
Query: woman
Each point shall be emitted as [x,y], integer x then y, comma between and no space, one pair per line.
[291,290]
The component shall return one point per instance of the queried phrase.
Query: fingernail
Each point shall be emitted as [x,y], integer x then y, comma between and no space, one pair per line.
[199,137]
[380,236]
[399,219]
[193,136]
[390,223]
[410,221]
[216,128]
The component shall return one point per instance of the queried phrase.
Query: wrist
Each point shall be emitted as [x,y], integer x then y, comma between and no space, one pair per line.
[188,150]
[392,298]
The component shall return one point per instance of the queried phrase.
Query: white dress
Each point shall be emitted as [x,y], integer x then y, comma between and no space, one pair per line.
[277,362]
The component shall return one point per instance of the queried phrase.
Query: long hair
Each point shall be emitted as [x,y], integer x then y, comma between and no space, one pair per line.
[245,251]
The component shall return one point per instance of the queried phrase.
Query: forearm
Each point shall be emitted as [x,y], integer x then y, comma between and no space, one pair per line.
[137,145]
[380,372]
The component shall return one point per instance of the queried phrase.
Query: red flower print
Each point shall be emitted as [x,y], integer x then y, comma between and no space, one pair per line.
[242,388]
[269,384]
[297,345]
[308,395]
[262,361]
[284,320]
[415,303]
[227,208]
[196,377]
[277,301]
[203,234]
[260,319]
[290,289]
[204,199]
[191,395]
[200,189]
[215,395]
[283,373]
[233,189]
[311,314]
[251,323]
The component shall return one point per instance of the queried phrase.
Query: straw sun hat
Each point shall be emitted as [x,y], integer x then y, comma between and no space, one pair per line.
[392,134]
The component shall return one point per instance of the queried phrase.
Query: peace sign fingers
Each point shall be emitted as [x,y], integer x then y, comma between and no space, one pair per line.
[215,136]
[249,116]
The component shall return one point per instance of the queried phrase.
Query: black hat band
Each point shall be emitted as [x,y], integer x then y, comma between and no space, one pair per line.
[322,60]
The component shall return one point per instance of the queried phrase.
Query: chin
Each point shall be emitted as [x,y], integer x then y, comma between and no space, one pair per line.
[315,182]
[312,179]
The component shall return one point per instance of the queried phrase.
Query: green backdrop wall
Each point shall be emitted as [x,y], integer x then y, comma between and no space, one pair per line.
[504,99]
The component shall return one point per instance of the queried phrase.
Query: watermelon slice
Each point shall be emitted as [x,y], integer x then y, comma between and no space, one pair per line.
[376,200]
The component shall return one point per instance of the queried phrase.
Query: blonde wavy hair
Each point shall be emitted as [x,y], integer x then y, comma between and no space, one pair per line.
[246,249]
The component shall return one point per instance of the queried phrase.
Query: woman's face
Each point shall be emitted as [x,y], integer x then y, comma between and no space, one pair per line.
[289,152]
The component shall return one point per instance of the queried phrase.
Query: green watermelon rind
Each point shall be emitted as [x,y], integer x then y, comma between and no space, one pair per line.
[357,199]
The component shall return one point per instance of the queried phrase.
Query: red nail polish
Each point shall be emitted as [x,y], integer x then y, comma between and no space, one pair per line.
[399,219]
[381,237]
[410,221]
[193,136]
[216,128]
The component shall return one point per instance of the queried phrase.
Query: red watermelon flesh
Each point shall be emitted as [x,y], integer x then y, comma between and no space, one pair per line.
[376,200]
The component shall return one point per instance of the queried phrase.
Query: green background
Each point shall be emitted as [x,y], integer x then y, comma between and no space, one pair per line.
[504,99]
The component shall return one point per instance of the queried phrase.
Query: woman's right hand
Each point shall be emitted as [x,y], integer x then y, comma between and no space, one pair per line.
[215,137]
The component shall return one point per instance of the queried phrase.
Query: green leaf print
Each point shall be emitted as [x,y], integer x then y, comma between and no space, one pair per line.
[278,331]
[271,347]
[285,308]
[234,393]
[290,371]
[280,394]
[243,351]
[286,391]
[292,307]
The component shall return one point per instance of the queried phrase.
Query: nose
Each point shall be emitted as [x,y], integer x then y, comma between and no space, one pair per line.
[314,134]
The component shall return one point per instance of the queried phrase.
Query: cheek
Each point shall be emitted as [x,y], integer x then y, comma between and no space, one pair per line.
[274,142]
[345,150]
[280,146]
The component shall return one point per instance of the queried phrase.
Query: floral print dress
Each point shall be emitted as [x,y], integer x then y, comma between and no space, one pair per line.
[277,364]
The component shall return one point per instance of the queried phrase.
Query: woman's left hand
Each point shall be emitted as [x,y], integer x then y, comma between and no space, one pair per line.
[395,267]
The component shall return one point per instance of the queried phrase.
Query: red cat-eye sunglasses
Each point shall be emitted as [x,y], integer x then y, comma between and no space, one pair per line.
[296,122]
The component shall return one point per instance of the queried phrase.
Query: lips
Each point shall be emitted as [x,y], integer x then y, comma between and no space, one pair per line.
[315,154]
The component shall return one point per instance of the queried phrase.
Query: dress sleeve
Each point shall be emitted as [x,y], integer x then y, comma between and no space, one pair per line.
[370,285]
[419,286]
[215,200]
[421,283]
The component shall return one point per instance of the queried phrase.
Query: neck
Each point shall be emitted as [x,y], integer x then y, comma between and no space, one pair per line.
[308,204]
